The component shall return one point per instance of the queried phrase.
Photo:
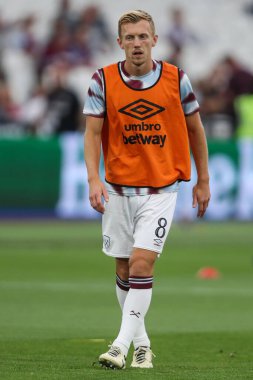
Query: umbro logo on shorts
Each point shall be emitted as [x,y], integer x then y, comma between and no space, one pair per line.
[141,109]
[158,242]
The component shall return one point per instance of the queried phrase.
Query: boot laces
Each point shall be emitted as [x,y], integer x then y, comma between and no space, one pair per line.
[141,354]
[114,351]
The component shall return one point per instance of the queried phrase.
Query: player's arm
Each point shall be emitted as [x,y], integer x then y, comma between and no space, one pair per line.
[92,152]
[198,144]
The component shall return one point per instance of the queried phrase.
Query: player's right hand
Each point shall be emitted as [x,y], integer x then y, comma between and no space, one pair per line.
[97,193]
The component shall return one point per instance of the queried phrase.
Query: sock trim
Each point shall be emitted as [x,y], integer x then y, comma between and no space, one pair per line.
[122,284]
[138,282]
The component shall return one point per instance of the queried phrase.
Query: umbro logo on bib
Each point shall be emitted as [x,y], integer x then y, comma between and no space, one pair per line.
[141,109]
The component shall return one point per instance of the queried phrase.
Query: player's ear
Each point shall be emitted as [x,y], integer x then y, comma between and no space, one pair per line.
[155,38]
[120,42]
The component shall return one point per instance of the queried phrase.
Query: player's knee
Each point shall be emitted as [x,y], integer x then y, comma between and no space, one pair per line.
[140,267]
[123,273]
[122,269]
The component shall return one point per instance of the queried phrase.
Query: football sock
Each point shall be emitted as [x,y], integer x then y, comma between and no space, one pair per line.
[134,310]
[122,288]
[141,337]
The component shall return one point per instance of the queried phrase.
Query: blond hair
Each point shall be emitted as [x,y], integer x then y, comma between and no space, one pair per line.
[133,17]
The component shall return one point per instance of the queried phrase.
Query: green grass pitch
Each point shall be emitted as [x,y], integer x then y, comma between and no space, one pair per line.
[58,309]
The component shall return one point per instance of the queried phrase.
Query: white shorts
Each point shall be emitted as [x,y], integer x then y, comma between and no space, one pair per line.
[137,222]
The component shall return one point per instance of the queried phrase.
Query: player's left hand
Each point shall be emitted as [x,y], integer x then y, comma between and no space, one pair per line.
[201,197]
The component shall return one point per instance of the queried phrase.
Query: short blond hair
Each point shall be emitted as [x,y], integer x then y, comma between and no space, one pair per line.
[133,17]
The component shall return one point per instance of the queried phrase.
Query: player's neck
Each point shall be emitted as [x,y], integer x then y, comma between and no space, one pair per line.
[134,70]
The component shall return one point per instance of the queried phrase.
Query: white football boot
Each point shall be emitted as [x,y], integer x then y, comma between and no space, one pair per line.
[113,358]
[142,358]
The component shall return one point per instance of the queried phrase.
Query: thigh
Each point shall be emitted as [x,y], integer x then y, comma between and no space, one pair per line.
[153,221]
[117,227]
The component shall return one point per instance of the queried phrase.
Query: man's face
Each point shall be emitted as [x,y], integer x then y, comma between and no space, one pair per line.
[137,40]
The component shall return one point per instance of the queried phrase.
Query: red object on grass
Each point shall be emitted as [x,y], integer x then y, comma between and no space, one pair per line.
[208,273]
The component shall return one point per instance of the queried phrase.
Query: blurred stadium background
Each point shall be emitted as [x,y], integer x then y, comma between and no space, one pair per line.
[54,289]
[49,51]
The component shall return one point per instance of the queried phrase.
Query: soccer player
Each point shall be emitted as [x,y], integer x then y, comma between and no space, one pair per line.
[145,114]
